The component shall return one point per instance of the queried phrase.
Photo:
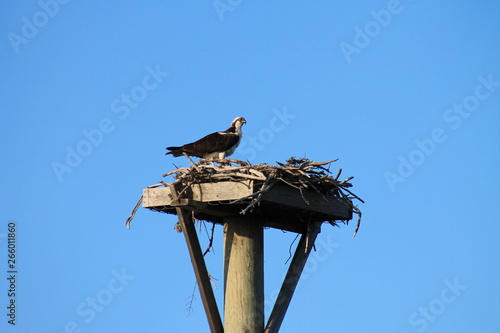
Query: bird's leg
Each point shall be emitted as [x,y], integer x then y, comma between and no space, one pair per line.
[222,159]
[191,161]
[212,160]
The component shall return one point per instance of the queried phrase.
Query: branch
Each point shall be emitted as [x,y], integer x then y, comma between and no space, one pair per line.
[210,240]
[131,217]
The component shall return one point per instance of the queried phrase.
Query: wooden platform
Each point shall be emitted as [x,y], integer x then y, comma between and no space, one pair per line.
[282,206]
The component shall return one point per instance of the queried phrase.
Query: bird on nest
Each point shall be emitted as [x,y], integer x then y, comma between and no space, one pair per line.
[217,145]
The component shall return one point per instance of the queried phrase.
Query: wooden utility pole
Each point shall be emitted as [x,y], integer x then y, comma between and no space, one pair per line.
[243,200]
[243,275]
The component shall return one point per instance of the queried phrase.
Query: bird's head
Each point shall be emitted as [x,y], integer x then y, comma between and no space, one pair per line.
[238,122]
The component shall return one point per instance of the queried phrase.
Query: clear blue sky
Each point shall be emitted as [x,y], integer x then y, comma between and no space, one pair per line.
[405,93]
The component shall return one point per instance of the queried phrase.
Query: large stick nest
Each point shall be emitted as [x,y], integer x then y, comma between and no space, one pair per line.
[300,173]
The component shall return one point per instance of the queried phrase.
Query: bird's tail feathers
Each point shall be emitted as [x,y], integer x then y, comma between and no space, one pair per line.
[176,151]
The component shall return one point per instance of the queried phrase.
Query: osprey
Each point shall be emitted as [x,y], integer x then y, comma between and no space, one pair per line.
[216,145]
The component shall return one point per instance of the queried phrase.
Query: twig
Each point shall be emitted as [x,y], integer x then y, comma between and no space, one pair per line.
[257,173]
[236,174]
[131,217]
[290,249]
[191,161]
[225,160]
[354,195]
[345,181]
[322,163]
[264,188]
[210,276]
[253,195]
[190,300]
[175,171]
[155,185]
[210,240]
[318,191]
[358,223]
[338,174]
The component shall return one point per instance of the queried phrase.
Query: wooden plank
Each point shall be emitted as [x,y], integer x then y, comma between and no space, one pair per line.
[204,192]
[221,191]
[228,191]
[243,275]
[288,196]
[158,196]
[200,269]
[201,198]
[292,278]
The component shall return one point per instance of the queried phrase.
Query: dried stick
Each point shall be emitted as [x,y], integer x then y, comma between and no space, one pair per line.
[191,161]
[237,174]
[338,174]
[264,188]
[175,171]
[358,223]
[210,240]
[345,181]
[354,195]
[127,223]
